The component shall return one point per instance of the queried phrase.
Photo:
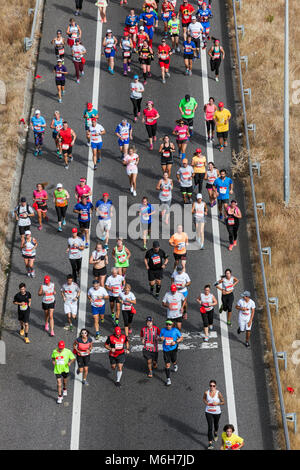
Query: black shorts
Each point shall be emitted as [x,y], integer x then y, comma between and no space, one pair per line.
[127,317]
[197,42]
[177,320]
[174,35]
[28,257]
[188,190]
[83,361]
[155,274]
[117,360]
[145,61]
[224,135]
[209,186]
[128,58]
[68,151]
[166,161]
[188,56]
[99,272]
[60,82]
[23,315]
[84,224]
[179,257]
[150,355]
[170,356]
[186,25]
[22,229]
[65,375]
[114,299]
[48,306]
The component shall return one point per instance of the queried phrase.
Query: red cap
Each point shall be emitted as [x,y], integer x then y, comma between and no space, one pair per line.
[173,288]
[74,230]
[82,179]
[47,279]
[173,14]
[61,345]
[105,194]
[198,150]
[221,104]
[89,105]
[117,330]
[126,33]
[94,119]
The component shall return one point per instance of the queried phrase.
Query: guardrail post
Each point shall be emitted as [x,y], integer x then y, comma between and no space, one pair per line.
[239,2]
[247,92]
[244,59]
[261,206]
[267,251]
[256,166]
[242,29]
[292,418]
[252,127]
[274,301]
[283,357]
[29,41]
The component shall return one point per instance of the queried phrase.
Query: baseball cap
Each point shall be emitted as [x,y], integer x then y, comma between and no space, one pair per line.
[169,322]
[179,268]
[135,77]
[23,199]
[117,330]
[194,17]
[89,105]
[61,345]
[187,97]
[82,179]
[47,279]
[221,104]
[173,288]
[59,185]
[141,27]
[217,40]
[126,33]
[94,118]
[74,230]
[27,232]
[199,196]
[198,150]
[59,60]
[149,319]
[105,194]
[155,244]
[59,31]
[246,293]
[108,31]
[37,111]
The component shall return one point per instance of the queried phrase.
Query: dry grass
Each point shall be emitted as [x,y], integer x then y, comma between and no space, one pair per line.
[264,45]
[15,25]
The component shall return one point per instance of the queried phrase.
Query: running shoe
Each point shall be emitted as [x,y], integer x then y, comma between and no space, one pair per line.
[27,340]
[155,138]
[205,339]
[40,227]
[230,247]
[77,81]
[52,333]
[59,229]
[149,74]
[88,144]
[102,320]
[175,367]
[247,344]
[215,436]
[178,49]
[211,328]
[168,382]
[85,382]
[64,222]
[118,384]
[22,332]
[98,160]
[145,246]
[65,392]
[95,167]
[131,189]
[229,323]
[116,322]
[151,147]
[59,400]
[210,447]
[106,247]
[135,119]
[150,375]
[220,216]
[35,153]
[217,79]
[66,167]
[130,331]
[163,81]
[82,73]
[129,69]
[71,328]
[235,243]
[168,74]
[221,309]
[46,326]
[238,330]
[221,148]
[40,153]
[145,82]
[86,245]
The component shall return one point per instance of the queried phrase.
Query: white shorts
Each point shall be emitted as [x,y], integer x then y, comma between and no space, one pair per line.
[243,322]
[132,171]
[103,226]
[71,307]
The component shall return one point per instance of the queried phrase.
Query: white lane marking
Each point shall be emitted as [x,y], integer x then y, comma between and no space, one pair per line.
[230,398]
[181,346]
[75,428]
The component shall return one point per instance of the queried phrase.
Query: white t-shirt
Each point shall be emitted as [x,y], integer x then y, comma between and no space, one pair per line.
[124,297]
[77,52]
[94,131]
[180,280]
[249,305]
[116,284]
[70,292]
[74,252]
[195,30]
[136,90]
[175,302]
[97,296]
[22,212]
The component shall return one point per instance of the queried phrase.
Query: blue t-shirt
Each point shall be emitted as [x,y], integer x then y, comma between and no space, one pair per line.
[123,131]
[104,207]
[37,123]
[145,210]
[223,187]
[149,18]
[170,336]
[86,208]
[131,20]
[188,47]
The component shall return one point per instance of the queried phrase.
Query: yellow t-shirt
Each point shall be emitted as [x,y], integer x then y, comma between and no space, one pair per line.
[198,163]
[228,442]
[221,117]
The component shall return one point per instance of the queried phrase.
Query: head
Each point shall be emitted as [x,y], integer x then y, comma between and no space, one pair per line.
[124,122]
[23,201]
[109,33]
[223,173]
[199,197]
[74,232]
[173,289]
[145,201]
[179,269]
[28,235]
[105,197]
[127,288]
[217,42]
[189,38]
[163,41]
[136,78]
[59,186]
[166,139]
[59,33]
[194,19]
[207,289]
[57,115]
[156,246]
[40,187]
[246,295]
[132,12]
[149,104]
[22,288]
[61,345]
[65,125]
[233,204]
[47,280]
[228,273]
[96,284]
[221,105]
[120,242]
[184,162]
[179,229]
[169,324]
[198,152]
[117,331]
[211,166]
[72,21]
[89,106]
[37,113]
[180,122]
[59,62]
[82,182]
[211,100]
[84,200]
[84,333]
[99,246]
[69,279]
[149,322]
[229,430]
[212,384]
[114,272]
[165,175]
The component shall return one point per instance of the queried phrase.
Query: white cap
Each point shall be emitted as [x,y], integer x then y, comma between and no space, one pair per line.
[37,111]
[199,196]
[109,31]
[27,232]
[142,27]
[194,18]
[59,185]
[244,294]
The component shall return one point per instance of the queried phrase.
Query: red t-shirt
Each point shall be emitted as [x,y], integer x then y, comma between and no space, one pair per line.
[167,6]
[117,343]
[164,52]
[150,115]
[186,13]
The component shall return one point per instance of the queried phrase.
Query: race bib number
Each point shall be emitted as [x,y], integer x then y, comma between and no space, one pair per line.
[223,190]
[65,146]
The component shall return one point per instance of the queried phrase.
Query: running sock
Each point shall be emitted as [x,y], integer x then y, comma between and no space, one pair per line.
[119,375]
[124,67]
[151,289]
[168,374]
[158,287]
[26,335]
[145,76]
[182,156]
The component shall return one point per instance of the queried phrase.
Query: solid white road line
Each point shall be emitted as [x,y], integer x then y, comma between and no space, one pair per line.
[75,427]
[230,398]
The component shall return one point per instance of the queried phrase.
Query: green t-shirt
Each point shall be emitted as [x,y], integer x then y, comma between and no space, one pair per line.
[88,115]
[174,26]
[62,358]
[188,107]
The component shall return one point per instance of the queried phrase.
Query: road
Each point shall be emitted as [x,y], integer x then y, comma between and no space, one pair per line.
[143,413]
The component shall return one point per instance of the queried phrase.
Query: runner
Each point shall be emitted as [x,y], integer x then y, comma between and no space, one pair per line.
[28,249]
[131,27]
[195,30]
[61,199]
[121,256]
[216,54]
[104,211]
[23,300]
[166,151]
[179,240]
[231,441]
[221,118]
[62,358]
[128,300]
[199,210]
[94,134]
[166,13]
[182,281]
[204,15]
[155,261]
[126,45]
[142,36]
[59,45]
[207,302]
[213,400]
[60,72]
[114,285]
[189,48]
[40,198]
[186,11]
[171,337]
[182,137]
[82,348]
[174,28]
[115,345]
[57,125]
[131,161]
[84,210]
[99,261]
[223,187]
[226,285]
[150,20]
[124,133]
[97,296]
[82,189]
[136,95]
[38,125]
[145,56]
[109,45]
[47,290]
[146,210]
[78,52]
[152,4]
[150,117]
[78,6]
[149,337]
[164,52]
[75,250]
[67,139]
[185,176]
[209,109]
[187,107]
[211,175]
[232,222]
[70,293]
[246,308]
[123,1]
[199,164]
[23,213]
[165,188]
[73,32]
[102,5]
[175,303]
[88,114]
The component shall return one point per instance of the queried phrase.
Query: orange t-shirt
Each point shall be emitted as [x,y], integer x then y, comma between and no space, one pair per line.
[180,241]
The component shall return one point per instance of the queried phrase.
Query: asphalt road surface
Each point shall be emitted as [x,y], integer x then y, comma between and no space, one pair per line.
[143,413]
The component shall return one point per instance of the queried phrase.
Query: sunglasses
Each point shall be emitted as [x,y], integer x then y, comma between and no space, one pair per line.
[211,385]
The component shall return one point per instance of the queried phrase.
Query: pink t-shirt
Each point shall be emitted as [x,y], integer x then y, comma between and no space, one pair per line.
[130,161]
[80,191]
[40,195]
[150,115]
[182,132]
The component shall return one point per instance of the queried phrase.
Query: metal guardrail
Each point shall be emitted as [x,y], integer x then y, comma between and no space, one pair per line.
[29,41]
[285,417]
